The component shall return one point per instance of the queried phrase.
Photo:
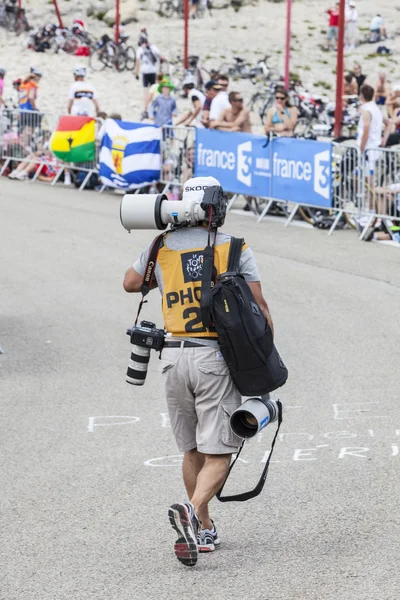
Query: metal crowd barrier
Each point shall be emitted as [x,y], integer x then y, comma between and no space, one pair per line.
[364,188]
[24,138]
[177,154]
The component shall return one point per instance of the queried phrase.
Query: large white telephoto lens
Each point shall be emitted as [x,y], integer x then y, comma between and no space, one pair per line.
[155,211]
[252,416]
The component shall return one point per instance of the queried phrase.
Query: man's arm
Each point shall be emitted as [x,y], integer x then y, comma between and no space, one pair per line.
[185,117]
[256,290]
[366,117]
[96,103]
[240,120]
[221,122]
[132,281]
[69,106]
[196,110]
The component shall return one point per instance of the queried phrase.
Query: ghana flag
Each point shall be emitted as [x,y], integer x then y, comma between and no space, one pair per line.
[74,139]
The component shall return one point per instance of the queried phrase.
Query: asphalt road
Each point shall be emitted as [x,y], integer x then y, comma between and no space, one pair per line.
[89,465]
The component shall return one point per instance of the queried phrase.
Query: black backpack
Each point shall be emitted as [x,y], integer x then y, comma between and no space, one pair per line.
[244,335]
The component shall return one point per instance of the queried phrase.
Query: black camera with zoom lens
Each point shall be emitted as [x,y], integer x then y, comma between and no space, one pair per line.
[144,337]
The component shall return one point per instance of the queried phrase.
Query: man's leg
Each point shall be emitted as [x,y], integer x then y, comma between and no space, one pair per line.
[193,462]
[209,481]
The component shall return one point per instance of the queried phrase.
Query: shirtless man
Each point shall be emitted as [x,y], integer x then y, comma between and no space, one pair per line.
[235,118]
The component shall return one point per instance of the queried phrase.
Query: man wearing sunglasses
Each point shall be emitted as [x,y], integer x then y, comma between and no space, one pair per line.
[234,118]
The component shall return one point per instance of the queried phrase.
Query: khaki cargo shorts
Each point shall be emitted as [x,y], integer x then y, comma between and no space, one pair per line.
[201,397]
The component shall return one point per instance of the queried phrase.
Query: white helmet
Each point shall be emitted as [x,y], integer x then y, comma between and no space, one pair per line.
[193,189]
[80,71]
[35,71]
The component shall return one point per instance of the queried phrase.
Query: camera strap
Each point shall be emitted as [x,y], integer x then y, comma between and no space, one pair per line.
[207,282]
[149,274]
[254,492]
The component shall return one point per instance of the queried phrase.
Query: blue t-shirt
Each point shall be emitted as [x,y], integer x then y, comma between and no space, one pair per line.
[163,109]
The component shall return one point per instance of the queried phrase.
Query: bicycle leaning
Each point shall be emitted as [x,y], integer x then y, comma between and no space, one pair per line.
[108,54]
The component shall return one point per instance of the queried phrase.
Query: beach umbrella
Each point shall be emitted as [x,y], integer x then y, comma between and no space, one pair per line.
[117,20]
[288,37]
[186,34]
[340,71]
[60,23]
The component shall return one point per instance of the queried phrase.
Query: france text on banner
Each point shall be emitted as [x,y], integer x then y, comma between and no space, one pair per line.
[285,169]
[238,160]
[130,154]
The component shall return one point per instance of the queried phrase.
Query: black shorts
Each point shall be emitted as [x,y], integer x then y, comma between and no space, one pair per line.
[148,79]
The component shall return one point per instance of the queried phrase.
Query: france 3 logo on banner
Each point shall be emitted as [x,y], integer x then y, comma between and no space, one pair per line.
[285,169]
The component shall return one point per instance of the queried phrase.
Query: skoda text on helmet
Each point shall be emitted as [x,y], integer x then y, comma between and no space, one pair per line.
[202,200]
[80,71]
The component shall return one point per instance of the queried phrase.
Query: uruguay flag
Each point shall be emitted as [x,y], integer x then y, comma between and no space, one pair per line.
[129,154]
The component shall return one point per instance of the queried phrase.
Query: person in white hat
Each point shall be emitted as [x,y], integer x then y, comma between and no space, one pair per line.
[351,26]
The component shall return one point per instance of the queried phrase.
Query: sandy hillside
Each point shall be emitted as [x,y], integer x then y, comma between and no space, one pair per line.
[251,33]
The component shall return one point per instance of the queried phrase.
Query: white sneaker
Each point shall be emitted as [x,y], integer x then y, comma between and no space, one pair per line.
[67,178]
[21,175]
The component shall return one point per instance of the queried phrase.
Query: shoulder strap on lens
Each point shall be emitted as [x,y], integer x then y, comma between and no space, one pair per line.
[148,277]
[253,493]
[235,253]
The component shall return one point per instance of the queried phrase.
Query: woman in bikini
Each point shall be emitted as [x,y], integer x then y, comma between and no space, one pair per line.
[281,118]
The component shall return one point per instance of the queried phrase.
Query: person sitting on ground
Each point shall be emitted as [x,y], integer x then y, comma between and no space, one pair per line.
[82,97]
[197,99]
[164,106]
[42,159]
[212,89]
[235,118]
[350,88]
[281,118]
[377,29]
[382,90]
[393,102]
[360,78]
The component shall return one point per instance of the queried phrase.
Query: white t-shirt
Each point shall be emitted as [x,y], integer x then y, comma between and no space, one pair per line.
[146,56]
[351,15]
[219,104]
[376,23]
[197,95]
[375,128]
[83,93]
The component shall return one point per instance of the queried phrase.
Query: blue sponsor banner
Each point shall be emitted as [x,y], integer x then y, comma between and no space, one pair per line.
[285,168]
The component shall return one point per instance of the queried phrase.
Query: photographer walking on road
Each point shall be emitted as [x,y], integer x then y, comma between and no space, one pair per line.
[201,395]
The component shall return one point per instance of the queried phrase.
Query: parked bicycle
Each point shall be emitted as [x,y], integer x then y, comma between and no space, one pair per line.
[167,8]
[108,54]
